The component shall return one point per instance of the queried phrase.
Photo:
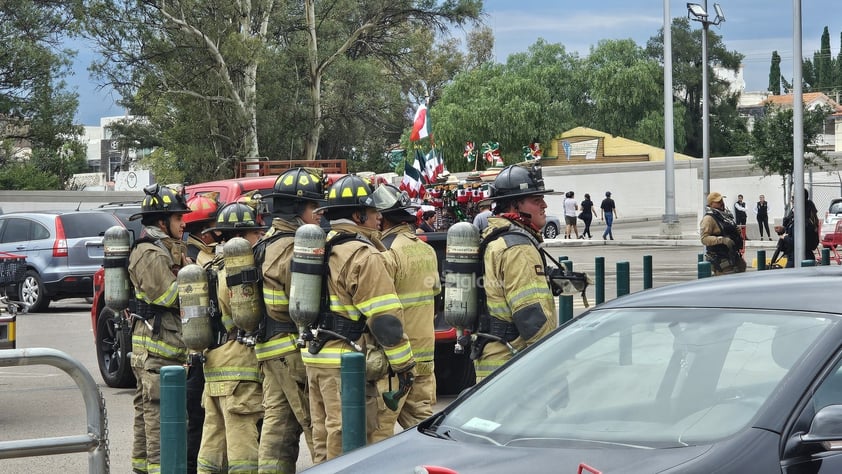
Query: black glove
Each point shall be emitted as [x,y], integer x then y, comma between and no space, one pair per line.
[405,381]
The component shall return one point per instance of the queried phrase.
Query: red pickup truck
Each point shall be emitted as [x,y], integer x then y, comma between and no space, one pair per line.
[112,335]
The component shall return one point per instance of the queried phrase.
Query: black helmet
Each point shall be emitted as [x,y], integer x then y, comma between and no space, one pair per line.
[388,197]
[517,181]
[299,183]
[347,192]
[237,216]
[162,200]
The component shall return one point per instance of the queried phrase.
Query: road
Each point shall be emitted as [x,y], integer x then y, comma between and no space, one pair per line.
[41,401]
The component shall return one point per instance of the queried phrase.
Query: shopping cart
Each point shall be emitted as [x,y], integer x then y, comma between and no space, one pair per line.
[12,272]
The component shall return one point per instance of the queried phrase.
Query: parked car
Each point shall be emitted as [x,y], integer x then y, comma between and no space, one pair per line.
[123,211]
[63,250]
[551,227]
[831,217]
[693,377]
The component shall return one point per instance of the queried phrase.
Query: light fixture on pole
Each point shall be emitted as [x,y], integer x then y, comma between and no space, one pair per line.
[699,13]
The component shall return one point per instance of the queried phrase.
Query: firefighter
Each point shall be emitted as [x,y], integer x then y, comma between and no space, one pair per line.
[296,194]
[156,333]
[415,271]
[233,395]
[360,300]
[519,305]
[200,249]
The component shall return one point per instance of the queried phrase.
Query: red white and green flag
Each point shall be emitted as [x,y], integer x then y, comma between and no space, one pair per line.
[433,165]
[413,179]
[420,124]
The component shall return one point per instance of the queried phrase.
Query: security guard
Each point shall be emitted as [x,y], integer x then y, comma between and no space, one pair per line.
[233,393]
[200,249]
[156,334]
[519,303]
[360,300]
[721,237]
[296,194]
[415,269]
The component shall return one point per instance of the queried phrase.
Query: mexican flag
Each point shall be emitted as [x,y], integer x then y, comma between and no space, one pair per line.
[420,124]
[413,181]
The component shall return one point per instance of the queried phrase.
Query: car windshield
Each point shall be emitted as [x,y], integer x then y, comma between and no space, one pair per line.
[638,378]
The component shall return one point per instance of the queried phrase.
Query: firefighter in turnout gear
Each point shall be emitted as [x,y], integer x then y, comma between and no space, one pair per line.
[200,249]
[519,308]
[156,332]
[233,394]
[357,300]
[296,194]
[414,266]
[721,237]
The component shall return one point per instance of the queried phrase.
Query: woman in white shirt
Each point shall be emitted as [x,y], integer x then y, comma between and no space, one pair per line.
[571,208]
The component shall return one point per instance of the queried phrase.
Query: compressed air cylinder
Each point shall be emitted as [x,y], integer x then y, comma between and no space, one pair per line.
[244,298]
[308,267]
[117,246]
[195,307]
[461,270]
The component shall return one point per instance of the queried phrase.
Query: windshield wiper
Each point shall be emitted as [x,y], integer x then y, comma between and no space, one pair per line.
[435,433]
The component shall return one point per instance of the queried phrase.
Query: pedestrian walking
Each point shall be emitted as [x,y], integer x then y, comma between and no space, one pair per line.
[571,209]
[154,262]
[587,214]
[609,213]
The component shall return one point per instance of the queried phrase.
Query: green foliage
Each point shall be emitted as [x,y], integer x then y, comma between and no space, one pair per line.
[772,140]
[27,177]
[775,74]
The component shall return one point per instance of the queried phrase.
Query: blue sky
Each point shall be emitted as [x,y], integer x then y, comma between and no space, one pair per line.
[754,28]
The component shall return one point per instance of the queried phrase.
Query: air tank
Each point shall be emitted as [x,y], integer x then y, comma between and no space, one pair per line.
[244,298]
[308,267]
[194,305]
[461,268]
[117,245]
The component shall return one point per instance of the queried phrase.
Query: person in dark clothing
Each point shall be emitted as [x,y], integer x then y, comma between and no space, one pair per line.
[811,232]
[762,211]
[740,214]
[428,221]
[609,212]
[587,215]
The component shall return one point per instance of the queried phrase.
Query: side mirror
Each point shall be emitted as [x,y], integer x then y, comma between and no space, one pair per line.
[826,428]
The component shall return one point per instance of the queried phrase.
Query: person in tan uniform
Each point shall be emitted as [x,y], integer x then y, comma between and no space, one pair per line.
[414,267]
[296,194]
[360,300]
[721,237]
[154,261]
[200,249]
[233,393]
[519,305]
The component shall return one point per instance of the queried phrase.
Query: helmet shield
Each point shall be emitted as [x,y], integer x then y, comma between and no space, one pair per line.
[388,198]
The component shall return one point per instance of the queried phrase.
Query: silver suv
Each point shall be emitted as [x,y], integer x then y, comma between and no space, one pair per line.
[833,215]
[63,250]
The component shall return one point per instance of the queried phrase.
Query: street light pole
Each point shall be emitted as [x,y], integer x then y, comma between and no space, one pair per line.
[700,13]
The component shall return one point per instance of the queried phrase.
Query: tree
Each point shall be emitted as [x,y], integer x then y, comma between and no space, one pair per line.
[775,74]
[687,78]
[368,29]
[772,141]
[823,63]
[36,110]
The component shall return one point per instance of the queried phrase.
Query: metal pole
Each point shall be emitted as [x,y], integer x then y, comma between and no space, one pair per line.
[623,277]
[798,135]
[647,272]
[705,114]
[670,217]
[761,260]
[599,277]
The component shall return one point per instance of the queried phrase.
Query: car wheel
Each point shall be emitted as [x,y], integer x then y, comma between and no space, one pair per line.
[454,372]
[113,345]
[550,231]
[31,291]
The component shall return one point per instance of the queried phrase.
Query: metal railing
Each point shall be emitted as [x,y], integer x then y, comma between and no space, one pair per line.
[94,442]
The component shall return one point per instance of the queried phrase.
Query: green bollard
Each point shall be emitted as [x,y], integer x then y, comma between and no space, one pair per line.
[704,269]
[353,401]
[825,256]
[647,272]
[568,264]
[761,260]
[173,419]
[623,287]
[808,263]
[599,279]
[565,308]
[700,257]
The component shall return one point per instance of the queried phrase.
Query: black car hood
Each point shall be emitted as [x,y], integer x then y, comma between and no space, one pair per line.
[405,451]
